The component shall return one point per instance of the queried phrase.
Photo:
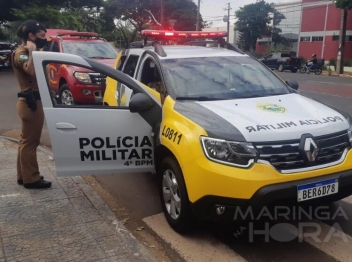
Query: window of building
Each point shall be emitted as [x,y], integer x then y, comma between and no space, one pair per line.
[305,39]
[317,39]
[337,38]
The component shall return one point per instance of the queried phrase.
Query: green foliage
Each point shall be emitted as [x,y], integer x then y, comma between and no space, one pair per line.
[344,4]
[347,63]
[112,19]
[253,22]
[332,62]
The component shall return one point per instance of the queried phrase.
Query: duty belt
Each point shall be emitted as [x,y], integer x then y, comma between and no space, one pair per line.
[27,94]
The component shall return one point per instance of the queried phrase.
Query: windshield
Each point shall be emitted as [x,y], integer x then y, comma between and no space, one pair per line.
[221,78]
[90,49]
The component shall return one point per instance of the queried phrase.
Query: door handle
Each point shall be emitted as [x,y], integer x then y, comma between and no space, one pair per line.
[66,126]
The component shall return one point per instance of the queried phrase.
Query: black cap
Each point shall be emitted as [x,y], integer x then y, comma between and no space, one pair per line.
[30,26]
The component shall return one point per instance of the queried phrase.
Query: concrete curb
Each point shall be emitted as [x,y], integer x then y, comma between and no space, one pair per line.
[136,248]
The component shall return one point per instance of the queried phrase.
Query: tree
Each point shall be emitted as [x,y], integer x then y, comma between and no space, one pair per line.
[344,5]
[137,15]
[253,22]
[66,14]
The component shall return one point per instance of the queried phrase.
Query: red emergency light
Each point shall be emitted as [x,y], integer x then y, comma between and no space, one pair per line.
[182,34]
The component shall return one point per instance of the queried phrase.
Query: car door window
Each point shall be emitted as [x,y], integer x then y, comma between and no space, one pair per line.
[55,47]
[47,46]
[269,56]
[131,65]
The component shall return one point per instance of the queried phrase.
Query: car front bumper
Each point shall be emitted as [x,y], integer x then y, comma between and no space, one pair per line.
[210,185]
[269,196]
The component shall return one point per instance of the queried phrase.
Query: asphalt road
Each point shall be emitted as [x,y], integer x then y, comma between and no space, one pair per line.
[138,194]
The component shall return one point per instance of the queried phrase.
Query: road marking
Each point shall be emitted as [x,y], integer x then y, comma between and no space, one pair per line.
[327,83]
[198,247]
[9,195]
[328,239]
[347,200]
[322,93]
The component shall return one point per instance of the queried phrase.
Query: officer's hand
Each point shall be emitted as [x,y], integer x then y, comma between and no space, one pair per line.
[30,46]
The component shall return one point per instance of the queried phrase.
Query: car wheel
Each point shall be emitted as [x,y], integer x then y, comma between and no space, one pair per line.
[66,97]
[294,70]
[174,197]
[281,68]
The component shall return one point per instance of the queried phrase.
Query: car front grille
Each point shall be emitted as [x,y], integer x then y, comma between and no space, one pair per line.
[98,79]
[285,155]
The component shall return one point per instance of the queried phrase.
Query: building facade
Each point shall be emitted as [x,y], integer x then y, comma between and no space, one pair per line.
[313,26]
[290,26]
[320,30]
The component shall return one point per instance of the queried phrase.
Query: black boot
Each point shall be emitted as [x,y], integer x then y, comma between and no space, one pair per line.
[41,184]
[20,181]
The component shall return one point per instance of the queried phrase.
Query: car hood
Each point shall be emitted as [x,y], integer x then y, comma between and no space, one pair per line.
[275,118]
[108,62]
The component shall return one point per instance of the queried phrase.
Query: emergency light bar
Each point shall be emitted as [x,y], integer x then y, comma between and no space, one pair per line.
[73,33]
[182,34]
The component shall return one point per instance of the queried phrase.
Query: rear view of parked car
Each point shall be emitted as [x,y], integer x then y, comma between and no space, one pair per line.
[282,61]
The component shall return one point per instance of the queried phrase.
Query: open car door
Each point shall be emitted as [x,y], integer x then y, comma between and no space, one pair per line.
[92,139]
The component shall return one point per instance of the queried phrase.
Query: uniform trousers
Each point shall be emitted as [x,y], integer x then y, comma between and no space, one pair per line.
[32,125]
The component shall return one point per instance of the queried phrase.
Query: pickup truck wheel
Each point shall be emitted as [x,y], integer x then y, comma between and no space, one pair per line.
[294,70]
[65,96]
[281,68]
[174,197]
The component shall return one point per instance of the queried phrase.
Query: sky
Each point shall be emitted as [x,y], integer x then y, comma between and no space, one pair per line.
[213,10]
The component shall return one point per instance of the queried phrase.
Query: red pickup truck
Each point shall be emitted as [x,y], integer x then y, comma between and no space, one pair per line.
[76,85]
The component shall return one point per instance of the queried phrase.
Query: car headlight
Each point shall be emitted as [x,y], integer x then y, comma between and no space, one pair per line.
[83,77]
[349,132]
[239,154]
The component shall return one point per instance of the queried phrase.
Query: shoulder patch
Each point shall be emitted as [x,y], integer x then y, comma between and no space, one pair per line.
[23,58]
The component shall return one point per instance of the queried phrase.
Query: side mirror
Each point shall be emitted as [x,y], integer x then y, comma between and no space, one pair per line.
[140,102]
[293,84]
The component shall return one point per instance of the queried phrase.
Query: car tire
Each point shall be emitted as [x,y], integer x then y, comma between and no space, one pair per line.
[65,96]
[294,70]
[174,197]
[281,68]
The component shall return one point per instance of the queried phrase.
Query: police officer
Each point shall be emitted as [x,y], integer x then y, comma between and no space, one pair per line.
[29,106]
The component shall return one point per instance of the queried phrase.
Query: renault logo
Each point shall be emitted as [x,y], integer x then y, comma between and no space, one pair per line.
[311,149]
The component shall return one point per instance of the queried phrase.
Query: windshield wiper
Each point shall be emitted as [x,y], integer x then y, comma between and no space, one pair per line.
[199,98]
[252,96]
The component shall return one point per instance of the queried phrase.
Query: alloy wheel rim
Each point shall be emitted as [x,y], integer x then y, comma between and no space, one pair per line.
[66,97]
[171,194]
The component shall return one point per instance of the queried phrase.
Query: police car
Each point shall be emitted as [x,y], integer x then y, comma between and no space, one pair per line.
[225,131]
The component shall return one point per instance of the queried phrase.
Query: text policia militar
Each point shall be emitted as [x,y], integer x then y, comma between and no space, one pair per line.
[289,124]
[121,148]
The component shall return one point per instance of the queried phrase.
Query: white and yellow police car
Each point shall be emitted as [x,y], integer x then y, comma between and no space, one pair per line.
[224,131]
